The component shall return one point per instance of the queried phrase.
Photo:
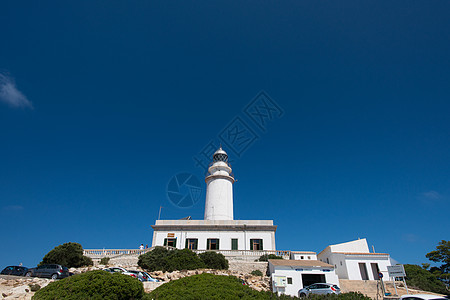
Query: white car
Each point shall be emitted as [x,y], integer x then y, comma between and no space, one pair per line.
[422,297]
[121,271]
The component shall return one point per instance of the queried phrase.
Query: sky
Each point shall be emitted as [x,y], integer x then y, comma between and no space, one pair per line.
[335,115]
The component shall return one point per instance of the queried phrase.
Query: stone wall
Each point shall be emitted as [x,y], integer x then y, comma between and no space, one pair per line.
[247,267]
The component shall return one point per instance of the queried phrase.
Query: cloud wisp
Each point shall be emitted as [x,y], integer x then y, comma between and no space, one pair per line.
[432,195]
[13,208]
[10,95]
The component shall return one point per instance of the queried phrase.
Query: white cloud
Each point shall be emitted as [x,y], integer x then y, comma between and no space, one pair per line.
[11,95]
[432,195]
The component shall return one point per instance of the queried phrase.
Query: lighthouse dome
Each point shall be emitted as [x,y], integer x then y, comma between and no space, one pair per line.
[220,155]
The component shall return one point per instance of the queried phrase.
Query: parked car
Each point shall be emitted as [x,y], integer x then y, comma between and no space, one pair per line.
[422,297]
[139,275]
[319,288]
[121,271]
[150,278]
[50,271]
[115,270]
[14,270]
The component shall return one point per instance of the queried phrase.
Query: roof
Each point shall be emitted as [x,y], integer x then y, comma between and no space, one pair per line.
[305,252]
[299,263]
[361,253]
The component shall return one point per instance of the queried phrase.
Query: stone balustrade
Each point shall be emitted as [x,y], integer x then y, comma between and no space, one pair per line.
[99,253]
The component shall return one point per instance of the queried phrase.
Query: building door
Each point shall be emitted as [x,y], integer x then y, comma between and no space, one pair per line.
[256,244]
[192,244]
[170,242]
[375,270]
[308,279]
[234,244]
[363,270]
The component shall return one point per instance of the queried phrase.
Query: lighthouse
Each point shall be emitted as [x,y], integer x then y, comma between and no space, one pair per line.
[219,188]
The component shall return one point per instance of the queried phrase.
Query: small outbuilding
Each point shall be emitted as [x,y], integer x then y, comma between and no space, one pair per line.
[290,276]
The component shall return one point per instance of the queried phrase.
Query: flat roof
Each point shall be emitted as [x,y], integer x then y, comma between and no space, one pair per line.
[299,263]
[214,225]
[361,253]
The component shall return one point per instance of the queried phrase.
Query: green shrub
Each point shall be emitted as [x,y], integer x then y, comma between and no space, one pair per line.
[266,257]
[69,255]
[206,286]
[256,273]
[161,259]
[155,260]
[104,260]
[93,285]
[423,279]
[214,260]
[34,287]
[183,259]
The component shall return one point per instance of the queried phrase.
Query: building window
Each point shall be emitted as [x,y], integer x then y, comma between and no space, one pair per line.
[302,257]
[328,261]
[191,244]
[289,280]
[341,263]
[212,244]
[309,257]
[256,244]
[234,244]
[170,242]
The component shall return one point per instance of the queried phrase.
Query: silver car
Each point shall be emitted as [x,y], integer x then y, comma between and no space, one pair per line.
[320,289]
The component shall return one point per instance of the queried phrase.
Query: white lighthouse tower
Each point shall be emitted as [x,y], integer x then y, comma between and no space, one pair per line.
[219,188]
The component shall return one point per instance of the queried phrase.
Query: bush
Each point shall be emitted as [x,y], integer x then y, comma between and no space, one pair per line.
[266,257]
[93,285]
[104,260]
[34,287]
[69,255]
[418,277]
[256,273]
[214,260]
[183,260]
[207,286]
[161,259]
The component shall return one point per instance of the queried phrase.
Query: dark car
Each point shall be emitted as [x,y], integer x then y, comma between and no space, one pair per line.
[49,271]
[14,270]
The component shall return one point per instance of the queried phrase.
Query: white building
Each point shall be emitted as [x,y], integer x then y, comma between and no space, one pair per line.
[218,230]
[290,276]
[354,261]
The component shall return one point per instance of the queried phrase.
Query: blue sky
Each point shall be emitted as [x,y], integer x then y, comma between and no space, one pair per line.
[102,102]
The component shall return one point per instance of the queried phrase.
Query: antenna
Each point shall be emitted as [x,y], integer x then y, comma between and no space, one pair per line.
[159,215]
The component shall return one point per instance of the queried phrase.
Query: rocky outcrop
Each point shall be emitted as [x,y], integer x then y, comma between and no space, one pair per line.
[21,287]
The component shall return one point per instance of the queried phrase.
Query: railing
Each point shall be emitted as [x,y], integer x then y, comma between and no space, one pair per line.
[93,253]
[98,253]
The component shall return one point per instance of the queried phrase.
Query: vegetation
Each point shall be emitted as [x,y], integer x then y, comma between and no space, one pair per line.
[214,260]
[441,255]
[423,279]
[266,257]
[104,260]
[208,286]
[256,273]
[162,259]
[68,255]
[93,285]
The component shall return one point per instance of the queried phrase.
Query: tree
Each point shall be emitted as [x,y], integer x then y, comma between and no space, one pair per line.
[423,279]
[441,255]
[68,255]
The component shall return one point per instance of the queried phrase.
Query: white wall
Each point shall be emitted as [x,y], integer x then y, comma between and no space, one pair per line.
[352,246]
[303,256]
[224,237]
[347,267]
[297,283]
